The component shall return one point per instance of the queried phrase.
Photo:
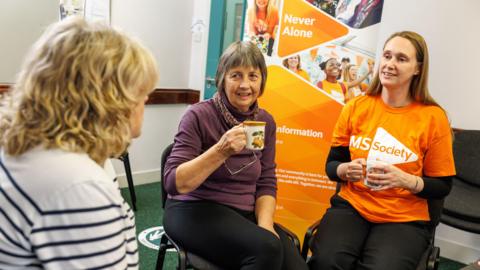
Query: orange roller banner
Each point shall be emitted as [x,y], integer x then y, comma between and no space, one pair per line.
[296,37]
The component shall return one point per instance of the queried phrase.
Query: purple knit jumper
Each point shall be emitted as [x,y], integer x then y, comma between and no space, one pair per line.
[200,128]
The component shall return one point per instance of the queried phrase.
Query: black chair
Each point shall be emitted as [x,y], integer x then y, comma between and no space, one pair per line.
[188,260]
[461,208]
[430,258]
[128,173]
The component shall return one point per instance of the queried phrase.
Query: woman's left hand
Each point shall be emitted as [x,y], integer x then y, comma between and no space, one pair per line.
[392,177]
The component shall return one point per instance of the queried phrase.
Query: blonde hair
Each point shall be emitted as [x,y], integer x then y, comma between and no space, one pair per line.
[77,90]
[270,9]
[271,15]
[419,85]
[346,73]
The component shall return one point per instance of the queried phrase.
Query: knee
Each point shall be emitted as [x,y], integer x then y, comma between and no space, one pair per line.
[267,253]
[270,247]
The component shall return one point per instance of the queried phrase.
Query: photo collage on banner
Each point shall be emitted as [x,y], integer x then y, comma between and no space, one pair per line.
[320,54]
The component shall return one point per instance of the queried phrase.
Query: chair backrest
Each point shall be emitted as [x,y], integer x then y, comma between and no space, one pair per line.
[466,153]
[461,205]
[166,152]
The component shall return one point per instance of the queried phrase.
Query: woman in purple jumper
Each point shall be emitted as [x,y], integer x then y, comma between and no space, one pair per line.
[221,196]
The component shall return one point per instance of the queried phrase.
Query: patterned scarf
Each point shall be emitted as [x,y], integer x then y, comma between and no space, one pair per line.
[218,100]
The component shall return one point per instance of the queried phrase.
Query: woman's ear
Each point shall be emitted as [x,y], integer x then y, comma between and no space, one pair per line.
[417,69]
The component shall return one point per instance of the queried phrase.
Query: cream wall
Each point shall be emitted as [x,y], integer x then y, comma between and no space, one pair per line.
[198,53]
[165,28]
[453,37]
[21,23]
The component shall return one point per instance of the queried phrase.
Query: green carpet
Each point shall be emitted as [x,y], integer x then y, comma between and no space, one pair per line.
[150,213]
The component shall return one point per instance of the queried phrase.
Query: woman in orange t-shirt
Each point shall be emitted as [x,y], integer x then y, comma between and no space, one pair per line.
[405,134]
[293,63]
[263,19]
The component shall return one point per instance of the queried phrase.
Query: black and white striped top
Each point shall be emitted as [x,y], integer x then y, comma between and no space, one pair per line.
[60,210]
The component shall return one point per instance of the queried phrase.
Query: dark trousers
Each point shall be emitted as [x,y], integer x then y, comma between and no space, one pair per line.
[345,240]
[229,237]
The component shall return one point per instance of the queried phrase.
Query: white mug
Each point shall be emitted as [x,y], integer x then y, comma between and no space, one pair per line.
[255,132]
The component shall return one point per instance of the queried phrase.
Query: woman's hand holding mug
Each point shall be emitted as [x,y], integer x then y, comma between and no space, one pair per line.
[352,171]
[233,141]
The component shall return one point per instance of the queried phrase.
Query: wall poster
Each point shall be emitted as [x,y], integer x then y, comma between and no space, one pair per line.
[306,42]
[91,10]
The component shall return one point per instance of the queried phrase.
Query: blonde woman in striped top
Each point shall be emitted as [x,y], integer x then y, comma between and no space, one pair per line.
[78,100]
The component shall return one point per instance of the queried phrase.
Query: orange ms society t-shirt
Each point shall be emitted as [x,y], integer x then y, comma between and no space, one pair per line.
[415,138]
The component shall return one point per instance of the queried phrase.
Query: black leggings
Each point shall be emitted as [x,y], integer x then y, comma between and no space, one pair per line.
[345,240]
[229,237]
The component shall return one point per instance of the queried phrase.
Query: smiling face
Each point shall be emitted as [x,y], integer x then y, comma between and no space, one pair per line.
[261,4]
[293,62]
[332,68]
[398,64]
[242,86]
[353,73]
